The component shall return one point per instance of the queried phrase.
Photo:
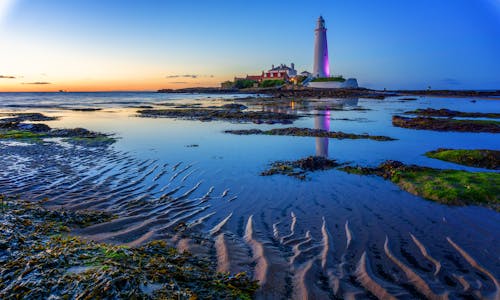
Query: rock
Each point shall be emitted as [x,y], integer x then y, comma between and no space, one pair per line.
[234,106]
[75,132]
[33,117]
[440,124]
[34,127]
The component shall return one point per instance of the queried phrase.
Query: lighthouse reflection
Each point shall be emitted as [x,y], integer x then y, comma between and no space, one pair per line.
[322,121]
[322,118]
[321,110]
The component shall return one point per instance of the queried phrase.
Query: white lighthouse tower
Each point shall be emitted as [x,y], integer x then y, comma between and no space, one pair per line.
[321,62]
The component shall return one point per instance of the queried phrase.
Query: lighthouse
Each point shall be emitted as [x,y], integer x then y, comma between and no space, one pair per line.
[321,62]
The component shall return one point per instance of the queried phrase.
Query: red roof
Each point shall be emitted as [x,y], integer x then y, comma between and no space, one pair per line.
[254,77]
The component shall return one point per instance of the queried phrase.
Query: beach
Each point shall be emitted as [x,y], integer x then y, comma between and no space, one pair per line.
[173,170]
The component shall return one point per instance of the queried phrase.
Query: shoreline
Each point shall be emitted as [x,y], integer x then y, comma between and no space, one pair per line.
[339,93]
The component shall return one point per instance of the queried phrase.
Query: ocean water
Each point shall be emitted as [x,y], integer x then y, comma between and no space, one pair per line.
[333,234]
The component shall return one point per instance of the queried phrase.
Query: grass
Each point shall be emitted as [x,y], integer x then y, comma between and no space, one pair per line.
[271,83]
[452,187]
[482,158]
[329,79]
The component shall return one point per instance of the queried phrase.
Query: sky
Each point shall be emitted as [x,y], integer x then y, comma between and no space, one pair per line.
[112,45]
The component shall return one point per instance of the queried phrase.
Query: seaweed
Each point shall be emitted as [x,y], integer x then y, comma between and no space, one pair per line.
[12,128]
[39,259]
[430,112]
[481,158]
[295,131]
[23,117]
[21,135]
[223,113]
[452,187]
[440,124]
[301,167]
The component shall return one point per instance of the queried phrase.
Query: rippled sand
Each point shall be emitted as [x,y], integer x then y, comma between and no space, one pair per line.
[336,235]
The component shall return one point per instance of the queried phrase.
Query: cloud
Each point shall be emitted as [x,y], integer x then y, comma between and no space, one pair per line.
[7,77]
[182,76]
[193,76]
[179,82]
[37,82]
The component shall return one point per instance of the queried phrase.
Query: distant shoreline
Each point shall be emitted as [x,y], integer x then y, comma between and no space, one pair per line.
[303,92]
[340,93]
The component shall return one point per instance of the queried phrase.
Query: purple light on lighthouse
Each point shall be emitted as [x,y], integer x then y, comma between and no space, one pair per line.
[321,62]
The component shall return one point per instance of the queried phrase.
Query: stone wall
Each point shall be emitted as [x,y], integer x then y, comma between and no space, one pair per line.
[350,83]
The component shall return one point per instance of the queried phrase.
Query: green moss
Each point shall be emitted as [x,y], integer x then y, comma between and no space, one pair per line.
[90,140]
[489,159]
[454,187]
[21,134]
[451,186]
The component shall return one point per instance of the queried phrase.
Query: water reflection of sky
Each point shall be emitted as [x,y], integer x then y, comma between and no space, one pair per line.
[235,162]
[168,137]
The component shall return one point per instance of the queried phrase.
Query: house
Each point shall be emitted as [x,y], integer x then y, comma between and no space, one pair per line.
[281,72]
[305,74]
[257,78]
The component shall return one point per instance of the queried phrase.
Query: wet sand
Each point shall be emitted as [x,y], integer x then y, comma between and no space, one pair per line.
[335,235]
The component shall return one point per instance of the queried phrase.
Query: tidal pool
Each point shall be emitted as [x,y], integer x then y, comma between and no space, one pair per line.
[334,234]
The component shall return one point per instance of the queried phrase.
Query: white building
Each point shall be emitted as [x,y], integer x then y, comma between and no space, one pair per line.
[321,72]
[282,71]
[321,62]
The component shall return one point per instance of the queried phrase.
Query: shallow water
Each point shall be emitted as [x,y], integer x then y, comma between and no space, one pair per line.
[334,234]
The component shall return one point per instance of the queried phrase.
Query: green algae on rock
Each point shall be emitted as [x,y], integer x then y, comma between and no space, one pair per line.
[40,260]
[21,134]
[453,187]
[301,167]
[440,124]
[482,158]
[13,128]
[294,131]
[431,112]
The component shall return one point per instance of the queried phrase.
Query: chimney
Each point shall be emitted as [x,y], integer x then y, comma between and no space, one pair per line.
[293,66]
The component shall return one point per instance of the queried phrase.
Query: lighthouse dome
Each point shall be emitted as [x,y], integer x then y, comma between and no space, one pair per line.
[321,22]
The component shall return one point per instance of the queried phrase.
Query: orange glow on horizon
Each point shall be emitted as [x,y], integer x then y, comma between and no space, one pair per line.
[105,85]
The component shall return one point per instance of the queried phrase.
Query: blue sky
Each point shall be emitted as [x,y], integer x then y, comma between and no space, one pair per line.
[90,44]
